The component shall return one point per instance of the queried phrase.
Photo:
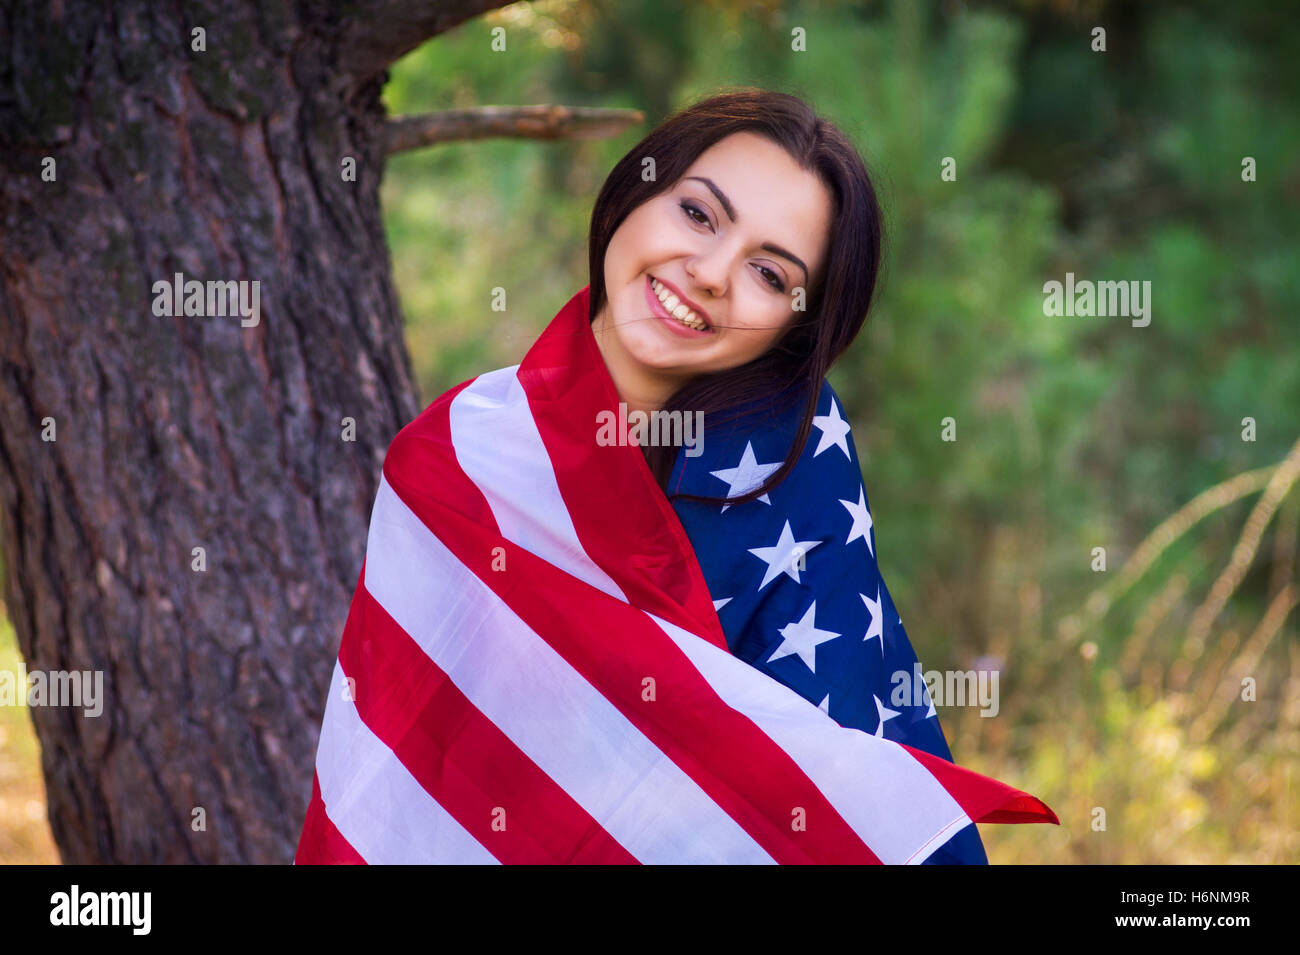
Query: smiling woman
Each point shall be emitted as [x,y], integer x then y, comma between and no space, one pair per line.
[548,660]
[760,220]
[713,232]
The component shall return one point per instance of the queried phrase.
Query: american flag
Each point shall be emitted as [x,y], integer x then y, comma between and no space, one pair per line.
[533,671]
[796,581]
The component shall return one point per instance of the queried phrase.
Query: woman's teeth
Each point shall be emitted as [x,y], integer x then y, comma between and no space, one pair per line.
[675,308]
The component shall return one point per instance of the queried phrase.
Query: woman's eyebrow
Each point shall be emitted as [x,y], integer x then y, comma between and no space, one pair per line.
[730,210]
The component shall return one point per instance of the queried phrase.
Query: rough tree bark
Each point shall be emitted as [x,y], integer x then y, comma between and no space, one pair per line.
[179,432]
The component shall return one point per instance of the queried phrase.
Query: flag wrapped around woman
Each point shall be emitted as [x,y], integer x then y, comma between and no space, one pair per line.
[533,669]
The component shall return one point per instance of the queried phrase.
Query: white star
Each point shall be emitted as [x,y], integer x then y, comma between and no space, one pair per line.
[746,475]
[783,556]
[719,604]
[833,429]
[881,710]
[802,637]
[876,629]
[861,519]
[825,704]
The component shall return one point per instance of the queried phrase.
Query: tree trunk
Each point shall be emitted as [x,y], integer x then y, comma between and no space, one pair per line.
[177,432]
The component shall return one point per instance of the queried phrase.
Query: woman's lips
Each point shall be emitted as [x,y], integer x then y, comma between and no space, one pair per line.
[657,307]
[681,297]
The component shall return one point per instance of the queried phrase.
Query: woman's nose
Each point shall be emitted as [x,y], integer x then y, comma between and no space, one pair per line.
[709,273]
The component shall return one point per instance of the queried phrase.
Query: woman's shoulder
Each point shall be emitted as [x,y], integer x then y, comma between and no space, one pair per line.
[828,464]
[741,452]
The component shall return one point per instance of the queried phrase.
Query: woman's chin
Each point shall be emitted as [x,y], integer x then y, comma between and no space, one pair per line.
[660,357]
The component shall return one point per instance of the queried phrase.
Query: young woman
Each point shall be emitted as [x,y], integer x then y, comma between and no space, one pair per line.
[579,641]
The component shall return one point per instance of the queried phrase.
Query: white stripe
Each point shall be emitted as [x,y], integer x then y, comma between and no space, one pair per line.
[889,799]
[546,707]
[375,802]
[500,449]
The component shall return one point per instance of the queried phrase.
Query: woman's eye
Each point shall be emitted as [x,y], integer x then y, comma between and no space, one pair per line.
[775,281]
[689,208]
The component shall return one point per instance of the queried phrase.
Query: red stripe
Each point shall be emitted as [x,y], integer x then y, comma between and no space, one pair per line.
[459,756]
[321,843]
[727,754]
[983,798]
[645,557]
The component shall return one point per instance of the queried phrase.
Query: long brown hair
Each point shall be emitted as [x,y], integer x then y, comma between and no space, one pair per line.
[795,366]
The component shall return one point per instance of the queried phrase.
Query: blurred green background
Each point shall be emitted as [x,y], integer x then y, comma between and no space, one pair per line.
[1121,688]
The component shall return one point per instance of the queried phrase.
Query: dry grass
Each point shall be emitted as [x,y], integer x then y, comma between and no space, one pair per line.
[24,830]
[1139,728]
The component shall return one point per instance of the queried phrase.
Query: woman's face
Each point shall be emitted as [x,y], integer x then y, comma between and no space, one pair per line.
[732,241]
